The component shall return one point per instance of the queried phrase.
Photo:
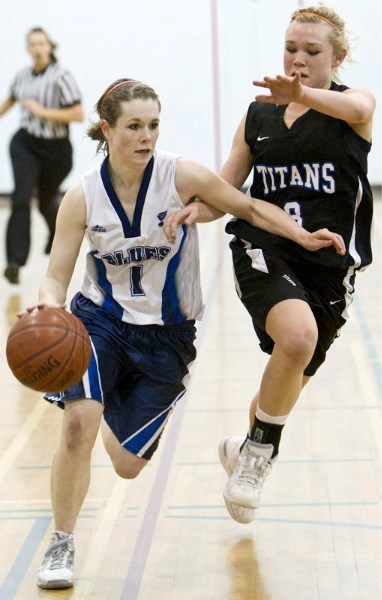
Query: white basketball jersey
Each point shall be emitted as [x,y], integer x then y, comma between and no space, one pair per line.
[132,271]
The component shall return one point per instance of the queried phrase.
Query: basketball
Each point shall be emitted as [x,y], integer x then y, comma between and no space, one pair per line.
[48,349]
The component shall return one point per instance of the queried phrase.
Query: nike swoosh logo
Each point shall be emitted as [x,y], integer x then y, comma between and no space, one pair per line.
[261,138]
[334,301]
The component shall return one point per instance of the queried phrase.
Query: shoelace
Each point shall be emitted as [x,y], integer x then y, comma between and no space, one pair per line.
[253,469]
[58,553]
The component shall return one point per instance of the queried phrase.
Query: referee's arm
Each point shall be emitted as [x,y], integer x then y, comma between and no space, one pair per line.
[6,105]
[60,115]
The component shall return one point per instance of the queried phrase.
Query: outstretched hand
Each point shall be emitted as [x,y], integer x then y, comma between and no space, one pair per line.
[283,89]
[184,216]
[322,238]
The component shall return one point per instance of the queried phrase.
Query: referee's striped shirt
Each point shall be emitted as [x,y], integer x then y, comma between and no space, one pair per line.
[56,88]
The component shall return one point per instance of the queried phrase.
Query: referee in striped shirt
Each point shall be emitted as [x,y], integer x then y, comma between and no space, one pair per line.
[41,151]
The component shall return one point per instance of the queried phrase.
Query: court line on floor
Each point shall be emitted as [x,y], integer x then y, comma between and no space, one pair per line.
[144,539]
[16,574]
[351,525]
[21,439]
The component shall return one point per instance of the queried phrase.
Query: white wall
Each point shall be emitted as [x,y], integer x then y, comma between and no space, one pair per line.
[169,45]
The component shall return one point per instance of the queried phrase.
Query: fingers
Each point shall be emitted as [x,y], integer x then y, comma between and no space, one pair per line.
[339,244]
[184,216]
[39,306]
[171,224]
[169,229]
[29,309]
[324,238]
[335,238]
[260,84]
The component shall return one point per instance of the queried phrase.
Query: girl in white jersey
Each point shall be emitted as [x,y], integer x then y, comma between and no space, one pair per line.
[139,299]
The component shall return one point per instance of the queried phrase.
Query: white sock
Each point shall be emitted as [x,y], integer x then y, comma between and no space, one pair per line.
[262,416]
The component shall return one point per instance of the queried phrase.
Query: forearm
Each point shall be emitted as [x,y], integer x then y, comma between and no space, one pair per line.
[352,108]
[6,105]
[276,221]
[354,105]
[52,292]
[63,115]
[195,212]
[235,172]
[205,212]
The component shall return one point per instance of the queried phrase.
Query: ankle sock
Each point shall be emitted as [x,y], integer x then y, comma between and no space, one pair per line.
[267,429]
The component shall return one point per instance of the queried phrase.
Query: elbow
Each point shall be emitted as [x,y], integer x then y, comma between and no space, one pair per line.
[80,116]
[362,114]
[77,114]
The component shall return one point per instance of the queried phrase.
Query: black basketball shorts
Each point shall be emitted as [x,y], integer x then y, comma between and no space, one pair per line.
[263,280]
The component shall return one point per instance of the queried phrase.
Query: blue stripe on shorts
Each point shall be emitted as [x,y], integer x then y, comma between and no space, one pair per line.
[139,372]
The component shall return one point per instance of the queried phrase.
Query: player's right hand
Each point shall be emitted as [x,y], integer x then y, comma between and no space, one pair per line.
[184,216]
[38,306]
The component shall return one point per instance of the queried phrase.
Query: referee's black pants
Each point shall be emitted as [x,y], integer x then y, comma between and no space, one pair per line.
[39,167]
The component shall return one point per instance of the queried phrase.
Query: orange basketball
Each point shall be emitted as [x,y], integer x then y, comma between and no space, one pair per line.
[48,349]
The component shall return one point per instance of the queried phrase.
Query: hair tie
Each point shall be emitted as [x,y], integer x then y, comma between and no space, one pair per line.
[115,87]
[312,14]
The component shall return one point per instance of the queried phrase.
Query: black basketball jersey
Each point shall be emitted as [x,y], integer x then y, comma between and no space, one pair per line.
[317,172]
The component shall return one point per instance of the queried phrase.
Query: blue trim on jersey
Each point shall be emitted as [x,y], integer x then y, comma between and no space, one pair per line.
[134,229]
[171,312]
[109,304]
[105,176]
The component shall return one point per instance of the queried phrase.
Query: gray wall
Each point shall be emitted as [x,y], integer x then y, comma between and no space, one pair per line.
[200,56]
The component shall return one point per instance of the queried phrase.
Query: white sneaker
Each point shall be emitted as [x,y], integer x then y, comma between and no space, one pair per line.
[246,481]
[56,570]
[229,450]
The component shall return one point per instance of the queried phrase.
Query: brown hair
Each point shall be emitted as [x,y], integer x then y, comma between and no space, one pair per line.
[109,108]
[53,45]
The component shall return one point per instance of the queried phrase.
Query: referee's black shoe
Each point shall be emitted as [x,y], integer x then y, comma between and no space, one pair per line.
[12,273]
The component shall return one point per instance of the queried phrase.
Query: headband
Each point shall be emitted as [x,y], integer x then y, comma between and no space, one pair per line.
[117,85]
[313,14]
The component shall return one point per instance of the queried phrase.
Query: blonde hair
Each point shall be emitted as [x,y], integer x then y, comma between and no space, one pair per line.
[338,35]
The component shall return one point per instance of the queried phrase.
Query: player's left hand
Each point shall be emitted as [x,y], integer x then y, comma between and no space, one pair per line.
[184,216]
[322,238]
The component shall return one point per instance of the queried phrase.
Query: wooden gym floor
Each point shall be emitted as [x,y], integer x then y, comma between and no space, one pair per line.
[167,535]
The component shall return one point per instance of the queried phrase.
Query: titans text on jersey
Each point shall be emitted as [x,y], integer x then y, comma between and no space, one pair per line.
[312,176]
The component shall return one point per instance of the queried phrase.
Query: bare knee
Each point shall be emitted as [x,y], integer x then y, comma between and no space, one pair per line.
[297,346]
[293,328]
[126,464]
[80,429]
[129,466]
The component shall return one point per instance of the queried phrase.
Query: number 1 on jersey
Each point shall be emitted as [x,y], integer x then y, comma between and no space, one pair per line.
[135,281]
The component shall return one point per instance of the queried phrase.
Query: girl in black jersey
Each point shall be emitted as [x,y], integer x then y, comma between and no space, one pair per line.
[307,142]
[41,152]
